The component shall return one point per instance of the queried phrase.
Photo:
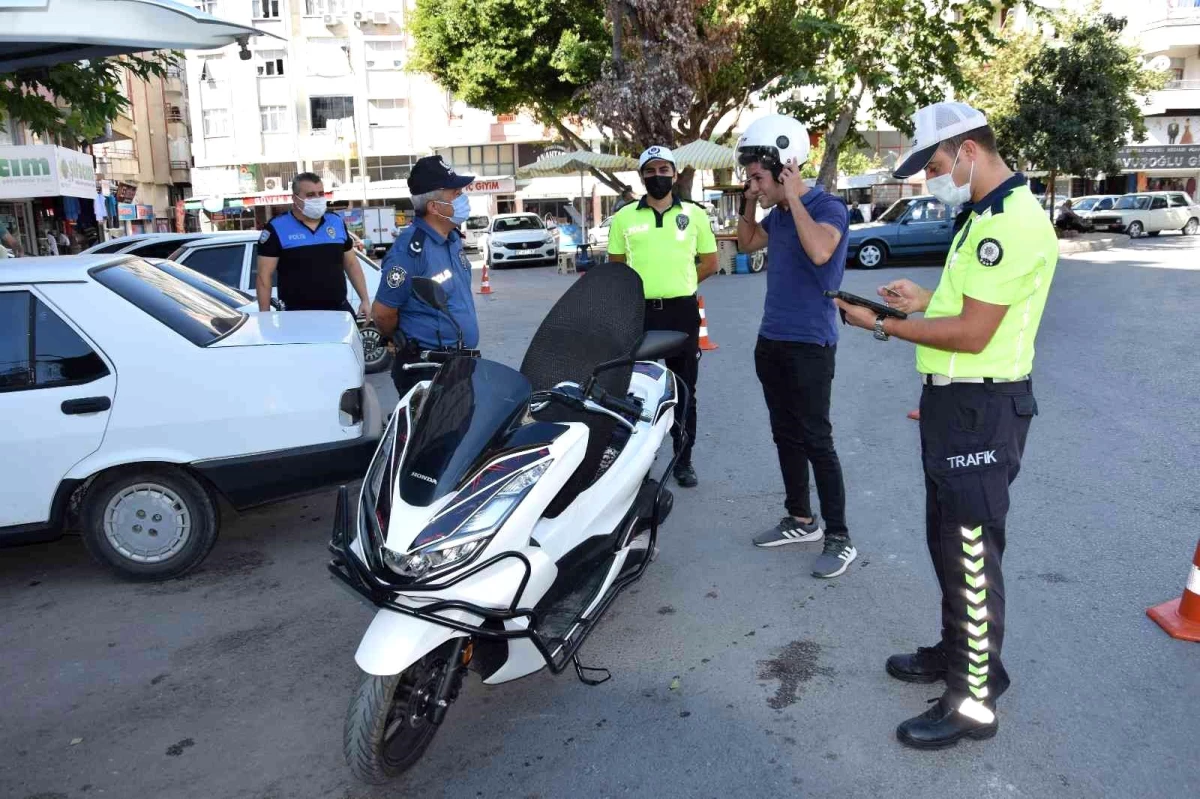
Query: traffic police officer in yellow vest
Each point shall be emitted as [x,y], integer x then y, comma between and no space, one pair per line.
[670,244]
[975,359]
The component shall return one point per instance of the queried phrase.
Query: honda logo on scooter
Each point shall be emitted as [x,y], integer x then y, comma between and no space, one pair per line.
[424,477]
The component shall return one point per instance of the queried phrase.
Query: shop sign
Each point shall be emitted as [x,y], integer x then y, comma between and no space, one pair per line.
[1140,159]
[126,192]
[145,211]
[503,185]
[44,170]
[126,212]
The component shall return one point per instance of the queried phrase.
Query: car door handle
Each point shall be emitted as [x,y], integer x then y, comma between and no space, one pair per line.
[86,405]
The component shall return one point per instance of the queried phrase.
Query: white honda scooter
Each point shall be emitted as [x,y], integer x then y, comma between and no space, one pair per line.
[503,512]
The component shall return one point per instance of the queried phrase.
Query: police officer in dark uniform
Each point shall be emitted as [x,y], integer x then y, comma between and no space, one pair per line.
[313,254]
[430,247]
[975,348]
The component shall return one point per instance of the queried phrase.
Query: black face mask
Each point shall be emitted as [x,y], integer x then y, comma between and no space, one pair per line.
[659,186]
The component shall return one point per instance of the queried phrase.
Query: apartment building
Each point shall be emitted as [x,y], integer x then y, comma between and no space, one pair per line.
[145,162]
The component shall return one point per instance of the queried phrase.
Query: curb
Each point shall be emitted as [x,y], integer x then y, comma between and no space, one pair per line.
[1072,246]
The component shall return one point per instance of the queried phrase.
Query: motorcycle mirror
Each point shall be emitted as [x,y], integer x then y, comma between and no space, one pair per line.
[431,293]
[656,344]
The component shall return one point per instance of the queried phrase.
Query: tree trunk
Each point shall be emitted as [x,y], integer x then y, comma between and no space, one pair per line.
[1050,193]
[618,22]
[828,174]
[684,184]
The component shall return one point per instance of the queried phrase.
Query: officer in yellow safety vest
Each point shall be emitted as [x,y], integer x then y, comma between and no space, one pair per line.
[975,359]
[660,237]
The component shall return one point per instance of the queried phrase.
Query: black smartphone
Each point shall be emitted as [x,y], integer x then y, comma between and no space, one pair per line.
[877,307]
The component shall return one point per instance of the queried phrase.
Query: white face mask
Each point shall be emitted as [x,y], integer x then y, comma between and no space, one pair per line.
[944,188]
[314,207]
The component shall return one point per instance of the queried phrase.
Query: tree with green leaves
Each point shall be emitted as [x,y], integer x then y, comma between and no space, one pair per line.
[643,71]
[850,162]
[993,77]
[880,59]
[73,102]
[1078,102]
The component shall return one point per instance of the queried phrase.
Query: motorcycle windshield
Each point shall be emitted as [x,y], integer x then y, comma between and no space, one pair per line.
[471,408]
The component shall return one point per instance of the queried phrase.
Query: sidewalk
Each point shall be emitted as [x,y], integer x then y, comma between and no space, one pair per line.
[1090,242]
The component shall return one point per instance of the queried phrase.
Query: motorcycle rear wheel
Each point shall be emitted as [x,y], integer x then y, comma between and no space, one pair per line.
[388,727]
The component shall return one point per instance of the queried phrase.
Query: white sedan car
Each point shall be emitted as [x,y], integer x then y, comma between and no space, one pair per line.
[232,259]
[144,403]
[519,239]
[598,236]
[1150,213]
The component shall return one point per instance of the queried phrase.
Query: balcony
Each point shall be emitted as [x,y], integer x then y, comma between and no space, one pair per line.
[1177,95]
[1171,27]
[181,172]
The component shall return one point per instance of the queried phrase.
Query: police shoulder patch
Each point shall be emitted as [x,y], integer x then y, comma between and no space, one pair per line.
[330,232]
[682,221]
[396,277]
[262,237]
[989,252]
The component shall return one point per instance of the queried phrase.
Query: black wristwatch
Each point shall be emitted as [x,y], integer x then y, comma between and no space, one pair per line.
[879,334]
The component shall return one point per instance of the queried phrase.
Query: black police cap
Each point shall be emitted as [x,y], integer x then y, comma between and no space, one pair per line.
[432,173]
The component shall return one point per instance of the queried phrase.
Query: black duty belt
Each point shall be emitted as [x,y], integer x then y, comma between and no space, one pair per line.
[659,303]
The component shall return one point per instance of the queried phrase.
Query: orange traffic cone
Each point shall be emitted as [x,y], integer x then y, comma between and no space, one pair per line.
[1181,617]
[705,342]
[485,285]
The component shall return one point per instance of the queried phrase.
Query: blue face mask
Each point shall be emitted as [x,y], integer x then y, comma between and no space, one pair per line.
[462,209]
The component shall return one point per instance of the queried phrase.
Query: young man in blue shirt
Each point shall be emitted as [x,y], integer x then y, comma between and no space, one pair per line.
[797,341]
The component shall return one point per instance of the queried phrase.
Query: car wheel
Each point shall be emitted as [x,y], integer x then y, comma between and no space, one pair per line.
[871,255]
[1191,227]
[758,262]
[149,522]
[375,350]
[1135,230]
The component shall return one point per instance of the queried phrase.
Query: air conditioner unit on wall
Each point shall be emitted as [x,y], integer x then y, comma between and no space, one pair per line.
[330,20]
[382,18]
[272,184]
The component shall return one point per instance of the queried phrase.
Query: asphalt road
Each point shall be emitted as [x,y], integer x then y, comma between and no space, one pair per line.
[233,682]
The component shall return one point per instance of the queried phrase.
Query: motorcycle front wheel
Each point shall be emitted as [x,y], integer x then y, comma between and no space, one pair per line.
[388,725]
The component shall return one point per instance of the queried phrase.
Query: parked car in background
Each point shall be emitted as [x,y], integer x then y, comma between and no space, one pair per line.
[1089,205]
[1150,213]
[598,236]
[147,245]
[519,239]
[913,227]
[211,408]
[232,259]
[474,230]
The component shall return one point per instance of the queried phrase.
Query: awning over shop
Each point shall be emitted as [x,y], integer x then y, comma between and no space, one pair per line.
[193,205]
[577,161]
[44,170]
[41,33]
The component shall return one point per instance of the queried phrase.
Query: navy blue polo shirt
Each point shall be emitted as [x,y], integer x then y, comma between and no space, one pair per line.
[312,274]
[796,308]
[420,251]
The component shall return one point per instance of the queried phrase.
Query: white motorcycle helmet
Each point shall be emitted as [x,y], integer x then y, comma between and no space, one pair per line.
[772,141]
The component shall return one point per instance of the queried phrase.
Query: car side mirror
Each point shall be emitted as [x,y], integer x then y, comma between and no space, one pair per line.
[656,344]
[431,293]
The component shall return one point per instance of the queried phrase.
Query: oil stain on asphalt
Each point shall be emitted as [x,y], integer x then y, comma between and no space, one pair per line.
[795,665]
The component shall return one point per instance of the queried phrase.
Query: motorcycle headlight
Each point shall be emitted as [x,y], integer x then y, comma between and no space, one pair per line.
[441,545]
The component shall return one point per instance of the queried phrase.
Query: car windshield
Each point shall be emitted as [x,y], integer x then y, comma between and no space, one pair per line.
[477,223]
[1131,202]
[1086,204]
[897,210]
[518,223]
[186,310]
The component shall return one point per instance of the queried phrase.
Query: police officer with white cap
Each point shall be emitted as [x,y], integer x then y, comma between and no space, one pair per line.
[670,244]
[975,359]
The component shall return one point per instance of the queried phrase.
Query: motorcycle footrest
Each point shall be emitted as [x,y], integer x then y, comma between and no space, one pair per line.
[584,673]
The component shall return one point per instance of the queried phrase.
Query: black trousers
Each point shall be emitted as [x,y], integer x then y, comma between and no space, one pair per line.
[681,314]
[797,381]
[972,439]
[404,379]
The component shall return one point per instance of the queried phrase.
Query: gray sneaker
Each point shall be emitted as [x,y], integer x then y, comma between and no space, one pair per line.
[790,531]
[838,555]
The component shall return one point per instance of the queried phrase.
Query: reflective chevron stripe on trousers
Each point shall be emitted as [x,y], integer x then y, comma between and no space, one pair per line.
[972,439]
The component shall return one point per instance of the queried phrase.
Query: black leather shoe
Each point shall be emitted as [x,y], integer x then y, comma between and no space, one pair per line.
[685,475]
[927,664]
[942,726]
